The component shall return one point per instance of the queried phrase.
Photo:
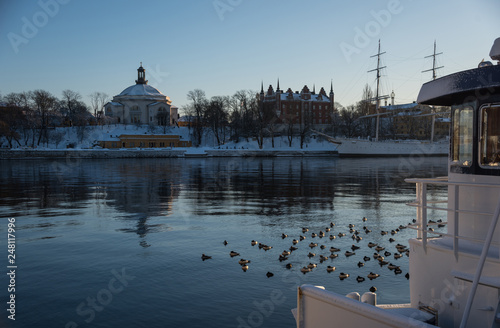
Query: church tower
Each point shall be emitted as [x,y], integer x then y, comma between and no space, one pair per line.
[332,97]
[141,76]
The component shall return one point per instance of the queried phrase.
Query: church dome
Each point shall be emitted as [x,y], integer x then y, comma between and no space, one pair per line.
[142,90]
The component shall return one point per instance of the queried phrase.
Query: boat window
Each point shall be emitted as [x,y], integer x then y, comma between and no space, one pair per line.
[463,120]
[490,136]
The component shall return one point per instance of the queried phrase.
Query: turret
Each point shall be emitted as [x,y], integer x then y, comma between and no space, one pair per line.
[141,76]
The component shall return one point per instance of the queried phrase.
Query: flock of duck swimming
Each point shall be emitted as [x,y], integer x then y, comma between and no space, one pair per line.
[381,255]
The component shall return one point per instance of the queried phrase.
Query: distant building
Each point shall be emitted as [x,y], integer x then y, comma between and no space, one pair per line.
[296,108]
[143,141]
[142,104]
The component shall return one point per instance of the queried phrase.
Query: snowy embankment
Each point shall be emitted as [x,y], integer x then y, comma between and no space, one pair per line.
[75,143]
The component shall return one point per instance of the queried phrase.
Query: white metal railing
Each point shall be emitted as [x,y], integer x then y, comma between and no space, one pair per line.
[422,223]
[423,205]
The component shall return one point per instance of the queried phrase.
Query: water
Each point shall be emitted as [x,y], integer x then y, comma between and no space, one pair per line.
[103,243]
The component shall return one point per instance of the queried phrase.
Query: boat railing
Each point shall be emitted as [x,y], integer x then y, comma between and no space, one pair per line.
[423,224]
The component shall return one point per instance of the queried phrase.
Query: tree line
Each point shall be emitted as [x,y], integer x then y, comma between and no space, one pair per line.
[28,118]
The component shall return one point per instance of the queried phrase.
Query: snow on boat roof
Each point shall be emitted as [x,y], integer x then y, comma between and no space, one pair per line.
[445,90]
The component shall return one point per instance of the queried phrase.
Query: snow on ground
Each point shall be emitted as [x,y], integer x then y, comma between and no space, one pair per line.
[79,138]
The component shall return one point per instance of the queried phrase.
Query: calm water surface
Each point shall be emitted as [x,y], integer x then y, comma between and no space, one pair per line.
[118,243]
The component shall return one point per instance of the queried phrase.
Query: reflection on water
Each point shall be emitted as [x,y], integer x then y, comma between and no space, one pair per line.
[155,217]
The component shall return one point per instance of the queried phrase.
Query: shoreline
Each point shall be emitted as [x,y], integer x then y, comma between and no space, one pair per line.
[6,154]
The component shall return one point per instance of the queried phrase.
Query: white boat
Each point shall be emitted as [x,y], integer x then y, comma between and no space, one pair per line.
[454,276]
[362,147]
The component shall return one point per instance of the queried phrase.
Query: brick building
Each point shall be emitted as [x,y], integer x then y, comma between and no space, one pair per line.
[310,107]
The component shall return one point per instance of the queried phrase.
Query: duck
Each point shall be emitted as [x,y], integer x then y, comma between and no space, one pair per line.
[292,248]
[341,234]
[330,268]
[382,263]
[327,229]
[398,255]
[305,270]
[366,258]
[360,279]
[322,246]
[371,244]
[333,255]
[304,230]
[254,242]
[312,265]
[383,232]
[322,258]
[398,270]
[266,248]
[283,236]
[392,266]
[391,240]
[354,247]
[351,225]
[407,252]
[321,234]
[379,248]
[380,258]
[332,224]
[347,253]
[332,237]
[372,275]
[261,245]
[244,268]
[288,265]
[312,245]
[360,264]
[358,238]
[285,253]
[205,257]
[314,235]
[311,254]
[373,289]
[407,275]
[367,231]
[376,255]
[387,253]
[364,219]
[225,242]
[233,253]
[269,274]
[334,249]
[301,238]
[282,258]
[343,275]
[243,262]
[393,232]
[295,241]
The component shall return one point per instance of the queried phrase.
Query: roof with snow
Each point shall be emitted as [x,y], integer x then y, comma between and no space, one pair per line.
[142,90]
[296,97]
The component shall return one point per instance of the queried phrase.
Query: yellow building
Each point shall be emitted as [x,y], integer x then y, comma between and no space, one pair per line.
[144,141]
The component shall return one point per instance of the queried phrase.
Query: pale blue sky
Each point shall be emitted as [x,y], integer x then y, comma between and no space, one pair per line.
[221,46]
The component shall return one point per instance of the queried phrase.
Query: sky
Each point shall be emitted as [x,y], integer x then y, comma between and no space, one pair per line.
[223,46]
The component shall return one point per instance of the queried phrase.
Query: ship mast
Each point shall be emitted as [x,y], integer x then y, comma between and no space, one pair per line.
[377,93]
[433,69]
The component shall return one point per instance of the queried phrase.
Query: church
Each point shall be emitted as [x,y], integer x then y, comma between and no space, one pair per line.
[142,104]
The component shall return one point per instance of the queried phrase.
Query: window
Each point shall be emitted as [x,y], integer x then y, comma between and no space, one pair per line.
[490,136]
[463,120]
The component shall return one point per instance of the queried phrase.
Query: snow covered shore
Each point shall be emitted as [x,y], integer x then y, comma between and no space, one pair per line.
[157,153]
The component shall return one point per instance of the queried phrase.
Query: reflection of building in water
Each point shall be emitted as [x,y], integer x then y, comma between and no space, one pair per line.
[147,187]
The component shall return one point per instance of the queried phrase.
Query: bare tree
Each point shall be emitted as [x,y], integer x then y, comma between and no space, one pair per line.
[44,102]
[349,123]
[363,109]
[216,117]
[197,97]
